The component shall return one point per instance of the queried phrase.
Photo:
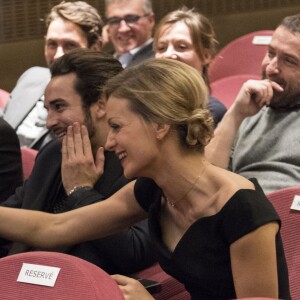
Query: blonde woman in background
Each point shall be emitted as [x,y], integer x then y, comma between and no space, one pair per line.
[189,37]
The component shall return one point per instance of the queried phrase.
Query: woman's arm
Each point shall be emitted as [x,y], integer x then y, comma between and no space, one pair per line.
[46,230]
[254,264]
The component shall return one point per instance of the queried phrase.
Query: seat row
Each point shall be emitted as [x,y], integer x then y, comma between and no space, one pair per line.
[78,278]
[237,62]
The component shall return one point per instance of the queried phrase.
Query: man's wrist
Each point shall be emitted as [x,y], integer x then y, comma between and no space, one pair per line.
[235,116]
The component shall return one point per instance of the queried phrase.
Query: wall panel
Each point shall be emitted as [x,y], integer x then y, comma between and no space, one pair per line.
[23,19]
[22,27]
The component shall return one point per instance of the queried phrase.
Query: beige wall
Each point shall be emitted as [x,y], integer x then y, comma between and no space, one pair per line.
[230,26]
[18,56]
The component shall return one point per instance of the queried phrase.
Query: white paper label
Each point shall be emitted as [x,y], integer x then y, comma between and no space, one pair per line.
[262,40]
[296,203]
[38,274]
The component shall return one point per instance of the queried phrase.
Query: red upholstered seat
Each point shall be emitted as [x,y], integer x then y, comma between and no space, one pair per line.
[77,279]
[28,159]
[4,96]
[257,298]
[171,289]
[282,201]
[227,88]
[241,56]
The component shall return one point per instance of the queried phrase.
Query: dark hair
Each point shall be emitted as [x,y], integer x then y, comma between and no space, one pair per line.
[292,23]
[82,14]
[92,69]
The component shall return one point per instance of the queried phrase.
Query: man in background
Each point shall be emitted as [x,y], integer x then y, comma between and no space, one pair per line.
[130,25]
[69,25]
[259,135]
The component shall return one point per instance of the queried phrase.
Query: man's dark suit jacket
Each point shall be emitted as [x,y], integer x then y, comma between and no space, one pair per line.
[11,173]
[126,252]
[142,54]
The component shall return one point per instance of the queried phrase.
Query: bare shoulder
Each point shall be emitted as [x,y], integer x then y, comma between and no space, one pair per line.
[239,182]
[233,181]
[230,183]
[225,185]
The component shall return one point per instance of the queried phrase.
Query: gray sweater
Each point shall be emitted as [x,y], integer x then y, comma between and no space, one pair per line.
[268,148]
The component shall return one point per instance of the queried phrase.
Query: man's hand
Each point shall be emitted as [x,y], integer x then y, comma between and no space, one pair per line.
[79,168]
[253,95]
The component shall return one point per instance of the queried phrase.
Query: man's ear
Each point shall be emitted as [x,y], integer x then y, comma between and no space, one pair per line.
[99,108]
[162,130]
[151,19]
[97,46]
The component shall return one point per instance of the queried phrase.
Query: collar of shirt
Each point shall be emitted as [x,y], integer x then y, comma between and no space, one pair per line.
[137,49]
[126,57]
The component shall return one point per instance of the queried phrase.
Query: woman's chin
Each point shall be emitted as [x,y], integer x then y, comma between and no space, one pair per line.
[130,173]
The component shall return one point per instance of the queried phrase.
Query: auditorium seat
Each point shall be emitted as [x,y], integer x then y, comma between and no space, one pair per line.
[31,276]
[28,159]
[241,56]
[227,88]
[171,289]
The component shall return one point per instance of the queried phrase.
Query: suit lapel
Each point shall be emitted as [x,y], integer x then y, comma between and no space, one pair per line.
[142,54]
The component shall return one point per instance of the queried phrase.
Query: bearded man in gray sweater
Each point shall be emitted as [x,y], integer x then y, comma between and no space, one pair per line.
[259,135]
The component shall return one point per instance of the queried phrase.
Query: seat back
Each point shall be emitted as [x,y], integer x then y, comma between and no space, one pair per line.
[243,55]
[257,298]
[76,280]
[28,159]
[282,201]
[4,96]
[227,88]
[171,289]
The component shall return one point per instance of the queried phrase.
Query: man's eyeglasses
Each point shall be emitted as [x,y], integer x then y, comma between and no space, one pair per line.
[129,19]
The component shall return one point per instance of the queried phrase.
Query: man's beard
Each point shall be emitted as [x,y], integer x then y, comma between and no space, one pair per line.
[286,99]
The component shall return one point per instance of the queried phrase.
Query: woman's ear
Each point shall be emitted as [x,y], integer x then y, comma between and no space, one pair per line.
[162,130]
[207,58]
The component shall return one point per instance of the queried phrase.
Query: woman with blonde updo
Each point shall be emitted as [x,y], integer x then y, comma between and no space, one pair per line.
[214,230]
[189,37]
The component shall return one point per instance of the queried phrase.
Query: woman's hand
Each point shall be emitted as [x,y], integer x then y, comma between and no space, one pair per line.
[131,288]
[79,168]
